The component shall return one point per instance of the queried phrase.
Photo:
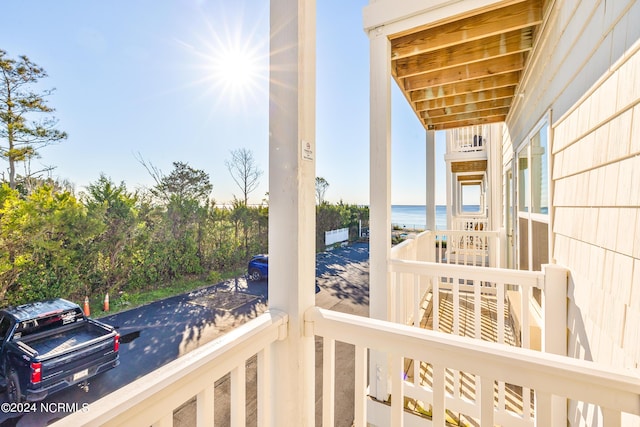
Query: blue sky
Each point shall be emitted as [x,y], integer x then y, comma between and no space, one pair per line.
[141,78]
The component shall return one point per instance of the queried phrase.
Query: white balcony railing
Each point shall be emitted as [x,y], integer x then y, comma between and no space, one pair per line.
[470,223]
[467,288]
[152,399]
[548,376]
[468,139]
[465,247]
[469,299]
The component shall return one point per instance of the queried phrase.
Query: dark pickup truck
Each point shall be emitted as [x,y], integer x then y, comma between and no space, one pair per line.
[51,345]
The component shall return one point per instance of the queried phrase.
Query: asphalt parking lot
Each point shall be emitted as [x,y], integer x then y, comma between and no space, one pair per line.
[160,332]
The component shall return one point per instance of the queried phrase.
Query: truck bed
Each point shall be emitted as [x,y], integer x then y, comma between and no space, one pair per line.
[50,345]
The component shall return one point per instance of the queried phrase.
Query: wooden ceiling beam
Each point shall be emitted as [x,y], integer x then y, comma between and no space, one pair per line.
[470,177]
[469,115]
[517,16]
[466,87]
[477,107]
[478,70]
[469,166]
[467,98]
[467,53]
[463,123]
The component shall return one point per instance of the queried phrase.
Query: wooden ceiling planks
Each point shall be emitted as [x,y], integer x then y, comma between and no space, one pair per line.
[465,71]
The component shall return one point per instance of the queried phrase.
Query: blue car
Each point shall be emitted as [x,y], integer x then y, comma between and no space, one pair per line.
[258,267]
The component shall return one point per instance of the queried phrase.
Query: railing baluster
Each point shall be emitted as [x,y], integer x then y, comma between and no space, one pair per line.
[397,393]
[526,403]
[328,381]
[205,407]
[611,417]
[436,303]
[525,327]
[543,417]
[391,303]
[477,309]
[400,317]
[438,406]
[417,300]
[264,387]
[360,398]
[500,311]
[456,306]
[486,402]
[502,396]
[238,395]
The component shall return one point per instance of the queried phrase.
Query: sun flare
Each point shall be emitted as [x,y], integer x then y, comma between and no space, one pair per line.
[235,69]
[231,59]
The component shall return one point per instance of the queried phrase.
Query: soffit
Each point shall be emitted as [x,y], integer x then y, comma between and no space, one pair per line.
[465,70]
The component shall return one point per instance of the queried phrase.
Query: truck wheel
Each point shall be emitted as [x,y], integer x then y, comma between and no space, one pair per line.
[255,275]
[13,388]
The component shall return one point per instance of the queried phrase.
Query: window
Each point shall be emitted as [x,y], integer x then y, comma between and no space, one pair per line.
[533,199]
[539,172]
[5,324]
[471,198]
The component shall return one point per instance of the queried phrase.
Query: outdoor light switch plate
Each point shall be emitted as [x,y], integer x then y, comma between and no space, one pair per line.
[307,150]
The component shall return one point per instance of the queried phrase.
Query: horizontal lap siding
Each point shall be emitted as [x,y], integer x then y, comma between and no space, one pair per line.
[587,73]
[596,176]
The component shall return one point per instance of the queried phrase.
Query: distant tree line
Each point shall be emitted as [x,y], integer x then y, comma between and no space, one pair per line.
[110,239]
[54,243]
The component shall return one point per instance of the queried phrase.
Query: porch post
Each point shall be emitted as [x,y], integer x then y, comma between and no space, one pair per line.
[379,197]
[555,327]
[450,188]
[292,206]
[431,180]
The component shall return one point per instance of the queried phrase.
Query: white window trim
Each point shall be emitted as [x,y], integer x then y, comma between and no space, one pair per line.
[525,144]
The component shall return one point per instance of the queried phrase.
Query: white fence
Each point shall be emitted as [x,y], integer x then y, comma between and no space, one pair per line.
[336,236]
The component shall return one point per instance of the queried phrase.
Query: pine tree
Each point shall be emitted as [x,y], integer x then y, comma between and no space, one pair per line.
[26,121]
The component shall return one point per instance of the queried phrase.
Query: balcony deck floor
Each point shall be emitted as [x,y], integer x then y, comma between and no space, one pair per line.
[461,384]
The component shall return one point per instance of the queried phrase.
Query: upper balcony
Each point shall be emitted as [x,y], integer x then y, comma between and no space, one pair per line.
[470,139]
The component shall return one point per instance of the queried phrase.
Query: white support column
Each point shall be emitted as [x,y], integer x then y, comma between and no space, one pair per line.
[292,206]
[448,175]
[379,197]
[555,327]
[431,180]
[495,176]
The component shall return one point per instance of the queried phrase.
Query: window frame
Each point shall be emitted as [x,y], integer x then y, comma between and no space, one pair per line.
[528,214]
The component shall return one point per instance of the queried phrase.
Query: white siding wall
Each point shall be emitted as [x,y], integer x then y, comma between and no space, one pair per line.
[596,171]
[587,73]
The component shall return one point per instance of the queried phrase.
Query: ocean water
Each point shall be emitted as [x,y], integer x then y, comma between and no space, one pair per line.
[414,216]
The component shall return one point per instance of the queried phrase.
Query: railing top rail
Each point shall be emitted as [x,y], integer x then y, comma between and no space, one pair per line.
[483,233]
[403,245]
[221,354]
[468,233]
[558,375]
[485,274]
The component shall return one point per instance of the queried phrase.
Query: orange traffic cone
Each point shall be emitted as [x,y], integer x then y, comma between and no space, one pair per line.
[106,302]
[87,311]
